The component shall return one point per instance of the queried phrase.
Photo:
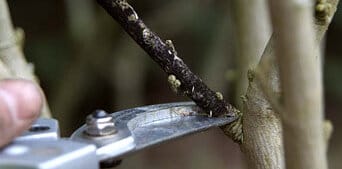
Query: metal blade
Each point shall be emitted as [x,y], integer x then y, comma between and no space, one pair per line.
[143,127]
[165,122]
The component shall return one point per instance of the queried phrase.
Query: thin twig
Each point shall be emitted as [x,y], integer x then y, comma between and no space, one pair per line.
[182,80]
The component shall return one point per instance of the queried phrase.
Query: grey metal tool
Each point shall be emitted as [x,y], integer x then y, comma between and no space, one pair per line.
[105,138]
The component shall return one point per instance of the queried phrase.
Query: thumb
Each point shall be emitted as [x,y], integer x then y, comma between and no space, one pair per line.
[20,104]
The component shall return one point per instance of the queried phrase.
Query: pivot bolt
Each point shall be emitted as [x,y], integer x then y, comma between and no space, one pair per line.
[100,123]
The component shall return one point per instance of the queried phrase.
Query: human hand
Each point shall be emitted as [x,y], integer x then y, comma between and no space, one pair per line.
[20,105]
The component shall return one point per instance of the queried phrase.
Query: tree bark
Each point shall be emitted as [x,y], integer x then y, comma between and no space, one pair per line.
[262,130]
[300,73]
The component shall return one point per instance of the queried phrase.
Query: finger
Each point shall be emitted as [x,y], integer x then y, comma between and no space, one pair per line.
[20,104]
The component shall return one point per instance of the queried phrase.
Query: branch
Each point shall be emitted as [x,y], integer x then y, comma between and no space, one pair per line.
[267,73]
[11,54]
[182,80]
[262,130]
[253,30]
[301,81]
[4,72]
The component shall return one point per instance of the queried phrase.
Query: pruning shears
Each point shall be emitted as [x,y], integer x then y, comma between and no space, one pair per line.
[105,138]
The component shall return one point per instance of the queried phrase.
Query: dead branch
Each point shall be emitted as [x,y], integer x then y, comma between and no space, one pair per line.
[181,78]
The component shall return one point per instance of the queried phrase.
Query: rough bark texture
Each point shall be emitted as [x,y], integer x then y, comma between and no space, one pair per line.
[11,54]
[262,130]
[182,80]
[129,90]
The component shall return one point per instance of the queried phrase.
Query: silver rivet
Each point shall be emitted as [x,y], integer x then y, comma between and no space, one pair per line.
[100,123]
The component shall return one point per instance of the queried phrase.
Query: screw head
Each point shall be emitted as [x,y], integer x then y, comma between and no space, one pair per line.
[100,123]
[99,113]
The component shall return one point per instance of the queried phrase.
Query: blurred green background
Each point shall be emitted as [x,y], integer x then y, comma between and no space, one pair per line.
[85,61]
